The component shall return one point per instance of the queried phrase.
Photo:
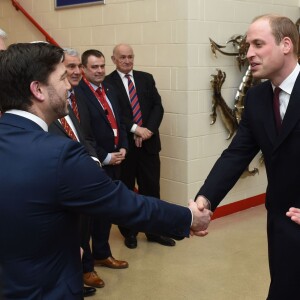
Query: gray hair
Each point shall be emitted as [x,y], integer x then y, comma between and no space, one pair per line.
[3,34]
[71,51]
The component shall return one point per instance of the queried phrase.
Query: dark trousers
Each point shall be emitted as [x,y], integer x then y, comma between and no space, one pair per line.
[142,168]
[85,235]
[100,230]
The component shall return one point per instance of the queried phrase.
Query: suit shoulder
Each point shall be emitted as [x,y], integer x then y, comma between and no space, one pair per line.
[261,87]
[142,74]
[112,76]
[107,84]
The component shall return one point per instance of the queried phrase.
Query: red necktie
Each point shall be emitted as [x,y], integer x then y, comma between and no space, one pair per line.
[134,101]
[74,106]
[109,114]
[276,107]
[68,129]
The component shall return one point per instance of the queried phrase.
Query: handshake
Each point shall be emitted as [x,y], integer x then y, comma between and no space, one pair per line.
[201,216]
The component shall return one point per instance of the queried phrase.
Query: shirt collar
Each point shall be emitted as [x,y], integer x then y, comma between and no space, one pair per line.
[29,116]
[122,75]
[288,83]
[70,92]
[95,87]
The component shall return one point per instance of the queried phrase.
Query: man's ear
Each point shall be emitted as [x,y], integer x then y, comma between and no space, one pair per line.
[36,90]
[287,45]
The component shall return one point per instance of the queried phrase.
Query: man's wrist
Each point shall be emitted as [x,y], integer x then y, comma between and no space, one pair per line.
[207,204]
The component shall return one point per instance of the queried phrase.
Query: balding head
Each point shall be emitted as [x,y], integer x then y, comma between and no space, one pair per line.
[3,36]
[123,58]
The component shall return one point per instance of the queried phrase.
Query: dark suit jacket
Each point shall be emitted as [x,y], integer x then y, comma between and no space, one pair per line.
[50,180]
[257,131]
[150,103]
[101,127]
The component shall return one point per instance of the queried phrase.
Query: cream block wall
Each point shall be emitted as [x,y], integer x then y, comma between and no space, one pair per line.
[170,39]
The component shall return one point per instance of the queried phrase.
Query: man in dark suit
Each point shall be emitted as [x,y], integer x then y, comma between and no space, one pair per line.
[275,130]
[142,113]
[111,142]
[76,125]
[51,180]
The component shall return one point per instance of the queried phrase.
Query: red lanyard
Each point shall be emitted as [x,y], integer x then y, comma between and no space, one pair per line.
[108,110]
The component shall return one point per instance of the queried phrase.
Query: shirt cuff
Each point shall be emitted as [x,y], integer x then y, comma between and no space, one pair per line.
[133,128]
[107,159]
[192,217]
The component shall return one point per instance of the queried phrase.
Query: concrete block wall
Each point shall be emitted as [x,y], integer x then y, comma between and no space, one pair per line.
[171,40]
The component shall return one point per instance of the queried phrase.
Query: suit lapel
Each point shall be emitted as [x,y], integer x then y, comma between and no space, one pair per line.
[112,101]
[292,115]
[267,113]
[121,87]
[76,124]
[92,98]
[137,81]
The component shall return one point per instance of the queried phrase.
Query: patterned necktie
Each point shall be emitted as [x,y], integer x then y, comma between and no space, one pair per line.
[276,108]
[68,129]
[135,105]
[109,114]
[74,106]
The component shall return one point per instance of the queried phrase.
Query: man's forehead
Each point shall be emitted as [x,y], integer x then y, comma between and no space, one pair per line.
[71,59]
[125,51]
[96,61]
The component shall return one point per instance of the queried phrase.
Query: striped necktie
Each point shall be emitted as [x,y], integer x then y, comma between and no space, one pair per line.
[74,106]
[135,105]
[68,129]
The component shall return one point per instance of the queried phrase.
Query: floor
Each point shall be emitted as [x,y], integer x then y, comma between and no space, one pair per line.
[228,264]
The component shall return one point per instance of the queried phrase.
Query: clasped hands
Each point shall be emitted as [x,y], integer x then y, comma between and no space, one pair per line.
[141,134]
[201,216]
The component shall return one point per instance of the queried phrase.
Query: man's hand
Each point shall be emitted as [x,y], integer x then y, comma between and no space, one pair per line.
[138,141]
[294,214]
[201,219]
[123,152]
[202,203]
[116,158]
[143,132]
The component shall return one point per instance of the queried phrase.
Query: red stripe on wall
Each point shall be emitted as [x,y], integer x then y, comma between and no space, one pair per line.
[237,206]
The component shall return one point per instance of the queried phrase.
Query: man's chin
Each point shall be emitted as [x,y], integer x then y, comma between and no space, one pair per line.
[256,74]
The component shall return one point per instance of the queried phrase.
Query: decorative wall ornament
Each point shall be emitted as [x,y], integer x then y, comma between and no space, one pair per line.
[231,116]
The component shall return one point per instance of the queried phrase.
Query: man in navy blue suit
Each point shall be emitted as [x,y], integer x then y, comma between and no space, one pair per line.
[48,181]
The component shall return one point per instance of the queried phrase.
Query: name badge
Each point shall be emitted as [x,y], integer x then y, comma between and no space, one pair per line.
[115,132]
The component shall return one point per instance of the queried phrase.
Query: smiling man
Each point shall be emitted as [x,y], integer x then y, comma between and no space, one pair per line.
[76,125]
[50,180]
[111,142]
[270,123]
